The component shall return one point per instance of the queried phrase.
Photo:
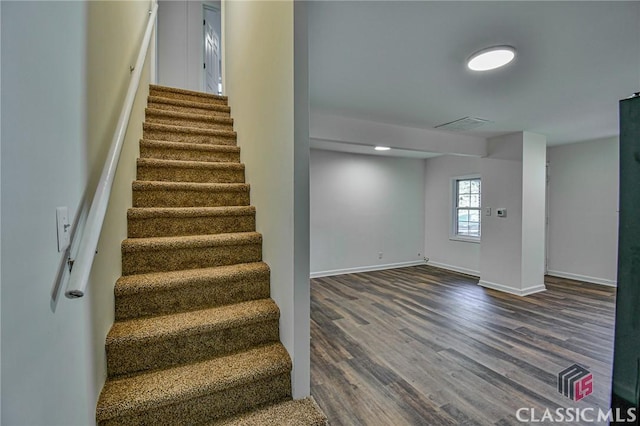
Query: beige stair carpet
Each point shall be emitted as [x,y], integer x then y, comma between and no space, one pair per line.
[196,337]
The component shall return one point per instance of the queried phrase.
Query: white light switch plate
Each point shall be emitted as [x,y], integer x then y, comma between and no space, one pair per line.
[64,228]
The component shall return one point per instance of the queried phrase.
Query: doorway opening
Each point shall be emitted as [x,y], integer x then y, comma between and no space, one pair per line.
[211,32]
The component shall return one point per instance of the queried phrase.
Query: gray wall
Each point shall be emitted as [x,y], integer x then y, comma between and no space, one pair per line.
[583,211]
[362,205]
[46,353]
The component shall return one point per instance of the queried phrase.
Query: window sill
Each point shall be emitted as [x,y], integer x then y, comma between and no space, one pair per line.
[464,239]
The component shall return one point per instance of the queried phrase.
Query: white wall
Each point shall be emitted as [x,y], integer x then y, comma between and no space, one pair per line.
[57,122]
[461,256]
[501,250]
[362,205]
[265,90]
[180,44]
[583,211]
[46,351]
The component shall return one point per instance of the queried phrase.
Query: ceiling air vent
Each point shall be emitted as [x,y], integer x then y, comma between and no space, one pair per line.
[466,123]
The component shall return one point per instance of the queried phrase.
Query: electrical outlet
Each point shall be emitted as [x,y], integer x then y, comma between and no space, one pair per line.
[380,255]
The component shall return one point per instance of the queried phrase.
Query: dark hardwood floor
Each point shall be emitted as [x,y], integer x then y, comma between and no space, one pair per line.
[425,346]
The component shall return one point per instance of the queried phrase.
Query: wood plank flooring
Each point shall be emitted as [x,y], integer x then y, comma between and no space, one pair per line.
[425,346]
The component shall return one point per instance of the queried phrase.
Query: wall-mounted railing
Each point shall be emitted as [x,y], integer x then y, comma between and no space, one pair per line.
[82,249]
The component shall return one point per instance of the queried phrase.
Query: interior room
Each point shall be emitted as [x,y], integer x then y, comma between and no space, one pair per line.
[541,135]
[319,212]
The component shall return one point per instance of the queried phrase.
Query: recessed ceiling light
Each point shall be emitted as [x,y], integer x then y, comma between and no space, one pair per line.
[491,58]
[382,148]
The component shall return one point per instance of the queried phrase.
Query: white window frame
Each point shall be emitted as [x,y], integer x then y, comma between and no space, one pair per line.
[453,216]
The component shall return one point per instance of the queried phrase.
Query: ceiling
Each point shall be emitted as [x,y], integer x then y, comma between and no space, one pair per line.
[403,63]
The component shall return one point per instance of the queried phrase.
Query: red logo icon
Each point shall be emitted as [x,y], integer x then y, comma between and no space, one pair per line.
[575,382]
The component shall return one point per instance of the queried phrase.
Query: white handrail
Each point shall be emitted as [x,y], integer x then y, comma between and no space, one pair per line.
[90,234]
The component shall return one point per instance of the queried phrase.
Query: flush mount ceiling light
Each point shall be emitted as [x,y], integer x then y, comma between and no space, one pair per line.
[491,58]
[382,148]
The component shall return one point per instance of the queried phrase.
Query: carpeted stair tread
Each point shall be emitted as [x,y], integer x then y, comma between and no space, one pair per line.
[158,254]
[193,322]
[132,245]
[301,412]
[166,91]
[188,134]
[189,151]
[170,104]
[162,293]
[176,221]
[180,212]
[163,341]
[188,119]
[152,390]
[167,281]
[155,169]
[189,194]
[193,186]
[189,164]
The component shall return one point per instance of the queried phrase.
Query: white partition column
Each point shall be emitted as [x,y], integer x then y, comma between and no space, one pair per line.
[513,181]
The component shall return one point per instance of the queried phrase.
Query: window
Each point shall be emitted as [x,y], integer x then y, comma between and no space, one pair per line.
[466,208]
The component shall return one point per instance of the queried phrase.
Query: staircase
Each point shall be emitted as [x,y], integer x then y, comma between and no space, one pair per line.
[196,335]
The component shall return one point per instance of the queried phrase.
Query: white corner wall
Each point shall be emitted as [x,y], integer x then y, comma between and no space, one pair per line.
[363,205]
[583,211]
[461,256]
[264,82]
[46,350]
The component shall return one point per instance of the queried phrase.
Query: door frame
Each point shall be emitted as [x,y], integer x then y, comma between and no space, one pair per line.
[213,8]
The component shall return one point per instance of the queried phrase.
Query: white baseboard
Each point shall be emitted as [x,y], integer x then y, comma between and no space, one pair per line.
[585,278]
[370,268]
[465,271]
[524,292]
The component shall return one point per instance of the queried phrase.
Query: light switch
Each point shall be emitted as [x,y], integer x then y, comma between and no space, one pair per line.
[487,211]
[64,228]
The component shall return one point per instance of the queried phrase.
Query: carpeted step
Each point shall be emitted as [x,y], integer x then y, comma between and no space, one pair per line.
[171,222]
[143,255]
[186,95]
[301,412]
[189,151]
[164,293]
[154,169]
[153,343]
[169,104]
[188,119]
[188,194]
[200,392]
[165,132]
